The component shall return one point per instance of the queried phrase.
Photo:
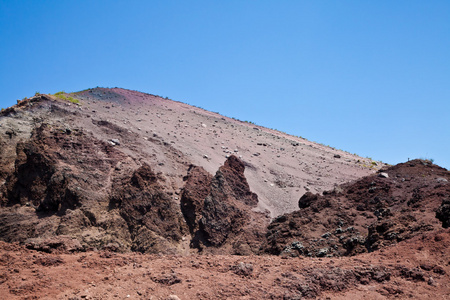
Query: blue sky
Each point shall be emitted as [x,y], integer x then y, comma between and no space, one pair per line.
[368,77]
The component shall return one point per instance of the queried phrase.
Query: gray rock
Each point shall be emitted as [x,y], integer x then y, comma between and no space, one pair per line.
[326,235]
[383,175]
[243,269]
[322,252]
[115,141]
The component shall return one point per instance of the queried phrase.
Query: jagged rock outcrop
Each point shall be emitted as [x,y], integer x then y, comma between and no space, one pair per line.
[57,188]
[197,187]
[219,210]
[369,214]
[152,216]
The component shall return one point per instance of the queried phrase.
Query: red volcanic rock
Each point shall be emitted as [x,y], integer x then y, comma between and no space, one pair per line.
[197,187]
[223,211]
[417,269]
[151,214]
[369,214]
[237,186]
[55,168]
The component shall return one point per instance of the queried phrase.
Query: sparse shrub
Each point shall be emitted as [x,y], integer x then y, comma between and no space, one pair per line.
[63,96]
[430,160]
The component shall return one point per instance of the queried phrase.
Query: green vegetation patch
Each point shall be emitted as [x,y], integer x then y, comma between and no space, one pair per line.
[63,96]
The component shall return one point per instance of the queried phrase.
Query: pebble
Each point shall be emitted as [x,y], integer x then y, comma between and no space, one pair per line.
[115,141]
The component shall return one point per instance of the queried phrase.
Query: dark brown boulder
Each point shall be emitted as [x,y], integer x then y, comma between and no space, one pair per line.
[443,213]
[307,199]
[36,179]
[233,173]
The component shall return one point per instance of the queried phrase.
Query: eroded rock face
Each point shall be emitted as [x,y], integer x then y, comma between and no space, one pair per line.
[57,187]
[36,179]
[224,221]
[364,216]
[197,187]
[151,214]
[55,168]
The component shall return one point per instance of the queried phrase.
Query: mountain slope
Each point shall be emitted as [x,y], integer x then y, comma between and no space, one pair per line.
[110,170]
[280,168]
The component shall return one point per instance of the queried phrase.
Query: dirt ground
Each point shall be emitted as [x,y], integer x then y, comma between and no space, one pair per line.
[415,269]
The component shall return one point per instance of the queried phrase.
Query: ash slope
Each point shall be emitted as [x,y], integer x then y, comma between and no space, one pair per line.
[279,167]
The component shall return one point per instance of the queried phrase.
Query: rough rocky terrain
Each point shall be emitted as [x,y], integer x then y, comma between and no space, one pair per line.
[376,211]
[120,194]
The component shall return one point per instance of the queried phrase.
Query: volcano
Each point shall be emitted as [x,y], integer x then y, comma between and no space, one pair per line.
[112,180]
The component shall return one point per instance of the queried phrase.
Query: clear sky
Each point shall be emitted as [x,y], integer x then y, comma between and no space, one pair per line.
[368,77]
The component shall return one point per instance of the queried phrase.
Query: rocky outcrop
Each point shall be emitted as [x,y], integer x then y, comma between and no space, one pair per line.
[364,216]
[57,188]
[220,215]
[152,216]
[197,187]
[57,167]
